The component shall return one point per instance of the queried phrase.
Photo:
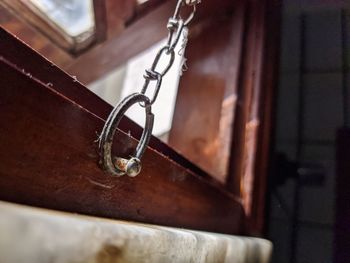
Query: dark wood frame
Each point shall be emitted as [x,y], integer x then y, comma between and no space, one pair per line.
[171,190]
[31,16]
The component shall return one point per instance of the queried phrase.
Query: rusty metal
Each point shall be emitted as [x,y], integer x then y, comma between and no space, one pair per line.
[119,166]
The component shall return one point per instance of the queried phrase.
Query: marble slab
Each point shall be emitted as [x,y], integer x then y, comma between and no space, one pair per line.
[35,235]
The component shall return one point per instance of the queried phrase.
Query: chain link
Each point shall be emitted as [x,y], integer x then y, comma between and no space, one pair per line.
[119,166]
[175,26]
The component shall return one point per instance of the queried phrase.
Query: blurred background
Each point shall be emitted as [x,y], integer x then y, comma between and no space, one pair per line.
[312,103]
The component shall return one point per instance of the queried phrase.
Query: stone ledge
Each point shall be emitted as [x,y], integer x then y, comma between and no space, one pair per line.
[35,235]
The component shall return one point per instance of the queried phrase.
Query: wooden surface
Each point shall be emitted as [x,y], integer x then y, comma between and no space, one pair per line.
[138,36]
[207,93]
[112,17]
[222,119]
[265,111]
[130,30]
[245,131]
[226,99]
[32,63]
[113,53]
[250,147]
[48,159]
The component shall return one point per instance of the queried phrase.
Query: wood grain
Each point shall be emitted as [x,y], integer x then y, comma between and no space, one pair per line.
[138,36]
[48,159]
[265,111]
[252,128]
[207,93]
[30,62]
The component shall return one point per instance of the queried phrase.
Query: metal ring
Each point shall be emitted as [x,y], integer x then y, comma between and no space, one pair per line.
[119,166]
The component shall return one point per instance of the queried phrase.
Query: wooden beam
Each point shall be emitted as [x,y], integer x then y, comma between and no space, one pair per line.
[141,34]
[100,18]
[207,93]
[127,26]
[49,160]
[111,16]
[266,112]
[57,150]
[35,65]
[250,148]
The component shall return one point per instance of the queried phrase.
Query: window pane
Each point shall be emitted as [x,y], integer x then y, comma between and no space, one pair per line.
[75,17]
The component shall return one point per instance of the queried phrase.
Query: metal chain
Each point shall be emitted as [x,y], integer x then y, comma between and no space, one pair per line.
[119,166]
[175,26]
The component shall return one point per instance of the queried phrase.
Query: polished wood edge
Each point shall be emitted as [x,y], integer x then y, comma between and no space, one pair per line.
[49,160]
[27,60]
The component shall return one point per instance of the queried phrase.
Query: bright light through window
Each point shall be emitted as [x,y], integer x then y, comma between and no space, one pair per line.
[75,17]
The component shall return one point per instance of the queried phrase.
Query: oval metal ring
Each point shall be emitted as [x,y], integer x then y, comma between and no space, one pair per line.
[158,56]
[118,166]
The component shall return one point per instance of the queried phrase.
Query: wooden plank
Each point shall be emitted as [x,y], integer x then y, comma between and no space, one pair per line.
[38,67]
[113,53]
[207,93]
[100,16]
[253,101]
[250,148]
[267,102]
[111,16]
[48,159]
[249,76]
[118,14]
